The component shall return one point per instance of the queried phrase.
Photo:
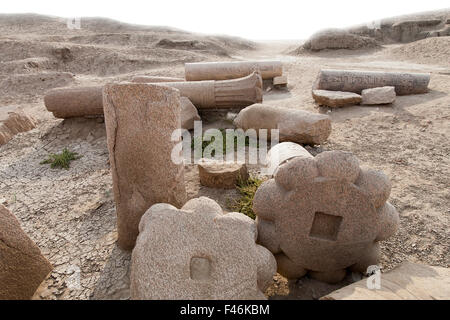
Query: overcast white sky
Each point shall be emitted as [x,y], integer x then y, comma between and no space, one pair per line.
[252,19]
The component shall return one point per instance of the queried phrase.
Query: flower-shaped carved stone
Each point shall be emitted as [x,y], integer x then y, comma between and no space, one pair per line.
[198,252]
[325,214]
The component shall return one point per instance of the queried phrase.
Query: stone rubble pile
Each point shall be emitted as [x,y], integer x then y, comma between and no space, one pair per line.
[337,88]
[318,215]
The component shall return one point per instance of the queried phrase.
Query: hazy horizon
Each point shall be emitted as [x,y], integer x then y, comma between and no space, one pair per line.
[254,20]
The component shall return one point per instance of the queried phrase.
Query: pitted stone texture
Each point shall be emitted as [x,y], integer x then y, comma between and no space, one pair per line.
[22,266]
[140,120]
[283,152]
[381,95]
[221,174]
[295,125]
[198,252]
[325,214]
[335,98]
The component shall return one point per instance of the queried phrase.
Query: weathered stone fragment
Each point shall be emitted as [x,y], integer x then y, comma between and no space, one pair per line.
[295,125]
[325,214]
[338,39]
[221,94]
[335,98]
[198,252]
[409,281]
[221,174]
[140,120]
[356,81]
[231,70]
[22,266]
[75,102]
[189,114]
[382,95]
[155,79]
[280,81]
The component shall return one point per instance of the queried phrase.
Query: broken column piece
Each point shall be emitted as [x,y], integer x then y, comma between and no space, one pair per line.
[409,281]
[356,81]
[231,70]
[87,101]
[321,215]
[22,266]
[75,102]
[140,120]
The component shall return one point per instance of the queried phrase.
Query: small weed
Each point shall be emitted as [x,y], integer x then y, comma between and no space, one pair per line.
[247,189]
[61,160]
[205,143]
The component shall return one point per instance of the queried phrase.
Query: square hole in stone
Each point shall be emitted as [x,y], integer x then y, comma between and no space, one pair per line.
[325,226]
[200,268]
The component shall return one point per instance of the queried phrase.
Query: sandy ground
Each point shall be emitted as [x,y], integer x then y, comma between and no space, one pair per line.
[70,213]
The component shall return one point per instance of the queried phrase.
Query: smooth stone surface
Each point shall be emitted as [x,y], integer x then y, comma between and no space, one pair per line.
[294,125]
[189,114]
[198,252]
[338,39]
[280,81]
[22,266]
[221,174]
[140,120]
[335,98]
[409,281]
[381,95]
[226,70]
[322,215]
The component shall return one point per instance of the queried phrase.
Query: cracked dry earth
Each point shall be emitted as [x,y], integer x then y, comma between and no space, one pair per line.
[70,214]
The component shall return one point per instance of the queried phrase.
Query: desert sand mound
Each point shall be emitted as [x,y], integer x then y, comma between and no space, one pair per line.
[429,51]
[338,39]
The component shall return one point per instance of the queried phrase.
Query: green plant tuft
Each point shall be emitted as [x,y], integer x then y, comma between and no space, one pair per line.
[247,189]
[205,143]
[61,160]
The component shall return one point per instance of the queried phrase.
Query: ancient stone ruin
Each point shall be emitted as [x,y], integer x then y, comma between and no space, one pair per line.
[382,95]
[336,98]
[198,252]
[293,124]
[140,119]
[356,81]
[22,266]
[13,121]
[231,70]
[322,215]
